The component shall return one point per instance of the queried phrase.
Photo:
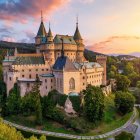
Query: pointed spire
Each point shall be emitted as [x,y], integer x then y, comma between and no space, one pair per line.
[41,16]
[77,35]
[50,32]
[42,31]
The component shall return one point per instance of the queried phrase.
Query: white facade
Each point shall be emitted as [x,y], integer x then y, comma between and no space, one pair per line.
[71,74]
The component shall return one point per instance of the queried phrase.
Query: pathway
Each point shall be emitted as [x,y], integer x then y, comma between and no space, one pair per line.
[108,134]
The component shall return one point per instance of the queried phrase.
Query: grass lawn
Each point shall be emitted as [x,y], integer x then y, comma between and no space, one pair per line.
[110,122]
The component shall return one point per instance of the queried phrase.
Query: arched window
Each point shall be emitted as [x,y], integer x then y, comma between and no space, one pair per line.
[71,84]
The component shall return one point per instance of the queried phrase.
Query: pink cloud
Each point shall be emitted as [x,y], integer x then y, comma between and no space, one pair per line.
[9,39]
[114,44]
[23,9]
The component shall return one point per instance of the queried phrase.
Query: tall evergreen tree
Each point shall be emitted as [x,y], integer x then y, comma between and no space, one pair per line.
[14,100]
[37,101]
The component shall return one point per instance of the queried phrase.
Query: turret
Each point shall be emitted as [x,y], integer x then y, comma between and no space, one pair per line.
[41,35]
[50,47]
[49,36]
[77,36]
[80,46]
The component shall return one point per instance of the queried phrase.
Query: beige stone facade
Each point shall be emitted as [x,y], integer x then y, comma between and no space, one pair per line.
[58,62]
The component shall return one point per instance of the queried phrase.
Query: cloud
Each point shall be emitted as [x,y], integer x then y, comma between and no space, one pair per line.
[115,44]
[29,37]
[87,1]
[8,39]
[21,10]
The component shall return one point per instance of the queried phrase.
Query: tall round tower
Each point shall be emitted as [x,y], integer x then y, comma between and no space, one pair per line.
[50,47]
[80,46]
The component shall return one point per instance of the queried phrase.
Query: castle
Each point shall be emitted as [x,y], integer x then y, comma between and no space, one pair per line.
[59,63]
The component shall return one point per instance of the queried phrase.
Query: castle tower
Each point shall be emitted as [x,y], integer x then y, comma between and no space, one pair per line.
[101,59]
[50,47]
[80,46]
[41,35]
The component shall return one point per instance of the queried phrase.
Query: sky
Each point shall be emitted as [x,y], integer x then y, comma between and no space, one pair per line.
[106,26]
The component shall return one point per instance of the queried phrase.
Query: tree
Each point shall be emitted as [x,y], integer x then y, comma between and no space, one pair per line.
[124,102]
[37,101]
[3,97]
[14,100]
[122,83]
[124,136]
[138,84]
[93,103]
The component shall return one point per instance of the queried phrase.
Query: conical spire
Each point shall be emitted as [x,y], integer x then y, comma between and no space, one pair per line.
[42,31]
[77,35]
[50,32]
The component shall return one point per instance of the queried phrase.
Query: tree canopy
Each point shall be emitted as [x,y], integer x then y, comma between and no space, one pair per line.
[93,103]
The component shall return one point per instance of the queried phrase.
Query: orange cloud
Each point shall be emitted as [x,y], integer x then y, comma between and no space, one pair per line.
[117,44]
[23,9]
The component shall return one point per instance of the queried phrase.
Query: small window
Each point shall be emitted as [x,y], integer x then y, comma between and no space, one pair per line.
[45,80]
[51,87]
[36,69]
[46,69]
[51,80]
[22,70]
[29,69]
[23,76]
[42,69]
[36,75]
[83,77]
[83,84]
[46,87]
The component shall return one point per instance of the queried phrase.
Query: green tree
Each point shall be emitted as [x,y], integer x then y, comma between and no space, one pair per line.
[138,84]
[124,136]
[122,83]
[124,102]
[14,100]
[93,103]
[37,101]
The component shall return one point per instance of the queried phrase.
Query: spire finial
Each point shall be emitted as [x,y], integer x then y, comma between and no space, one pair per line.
[77,20]
[41,16]
[49,25]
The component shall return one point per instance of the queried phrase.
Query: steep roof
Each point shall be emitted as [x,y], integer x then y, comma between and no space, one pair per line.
[67,39]
[42,31]
[29,60]
[50,33]
[64,62]
[77,35]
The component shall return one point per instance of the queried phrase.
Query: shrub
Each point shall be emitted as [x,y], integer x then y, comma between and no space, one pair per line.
[125,136]
[138,84]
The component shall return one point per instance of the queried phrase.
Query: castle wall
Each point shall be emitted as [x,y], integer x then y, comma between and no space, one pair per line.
[66,82]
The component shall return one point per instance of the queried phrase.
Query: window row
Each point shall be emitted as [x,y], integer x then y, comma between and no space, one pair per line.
[36,70]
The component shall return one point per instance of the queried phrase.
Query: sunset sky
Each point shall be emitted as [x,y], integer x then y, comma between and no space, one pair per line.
[107,26]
